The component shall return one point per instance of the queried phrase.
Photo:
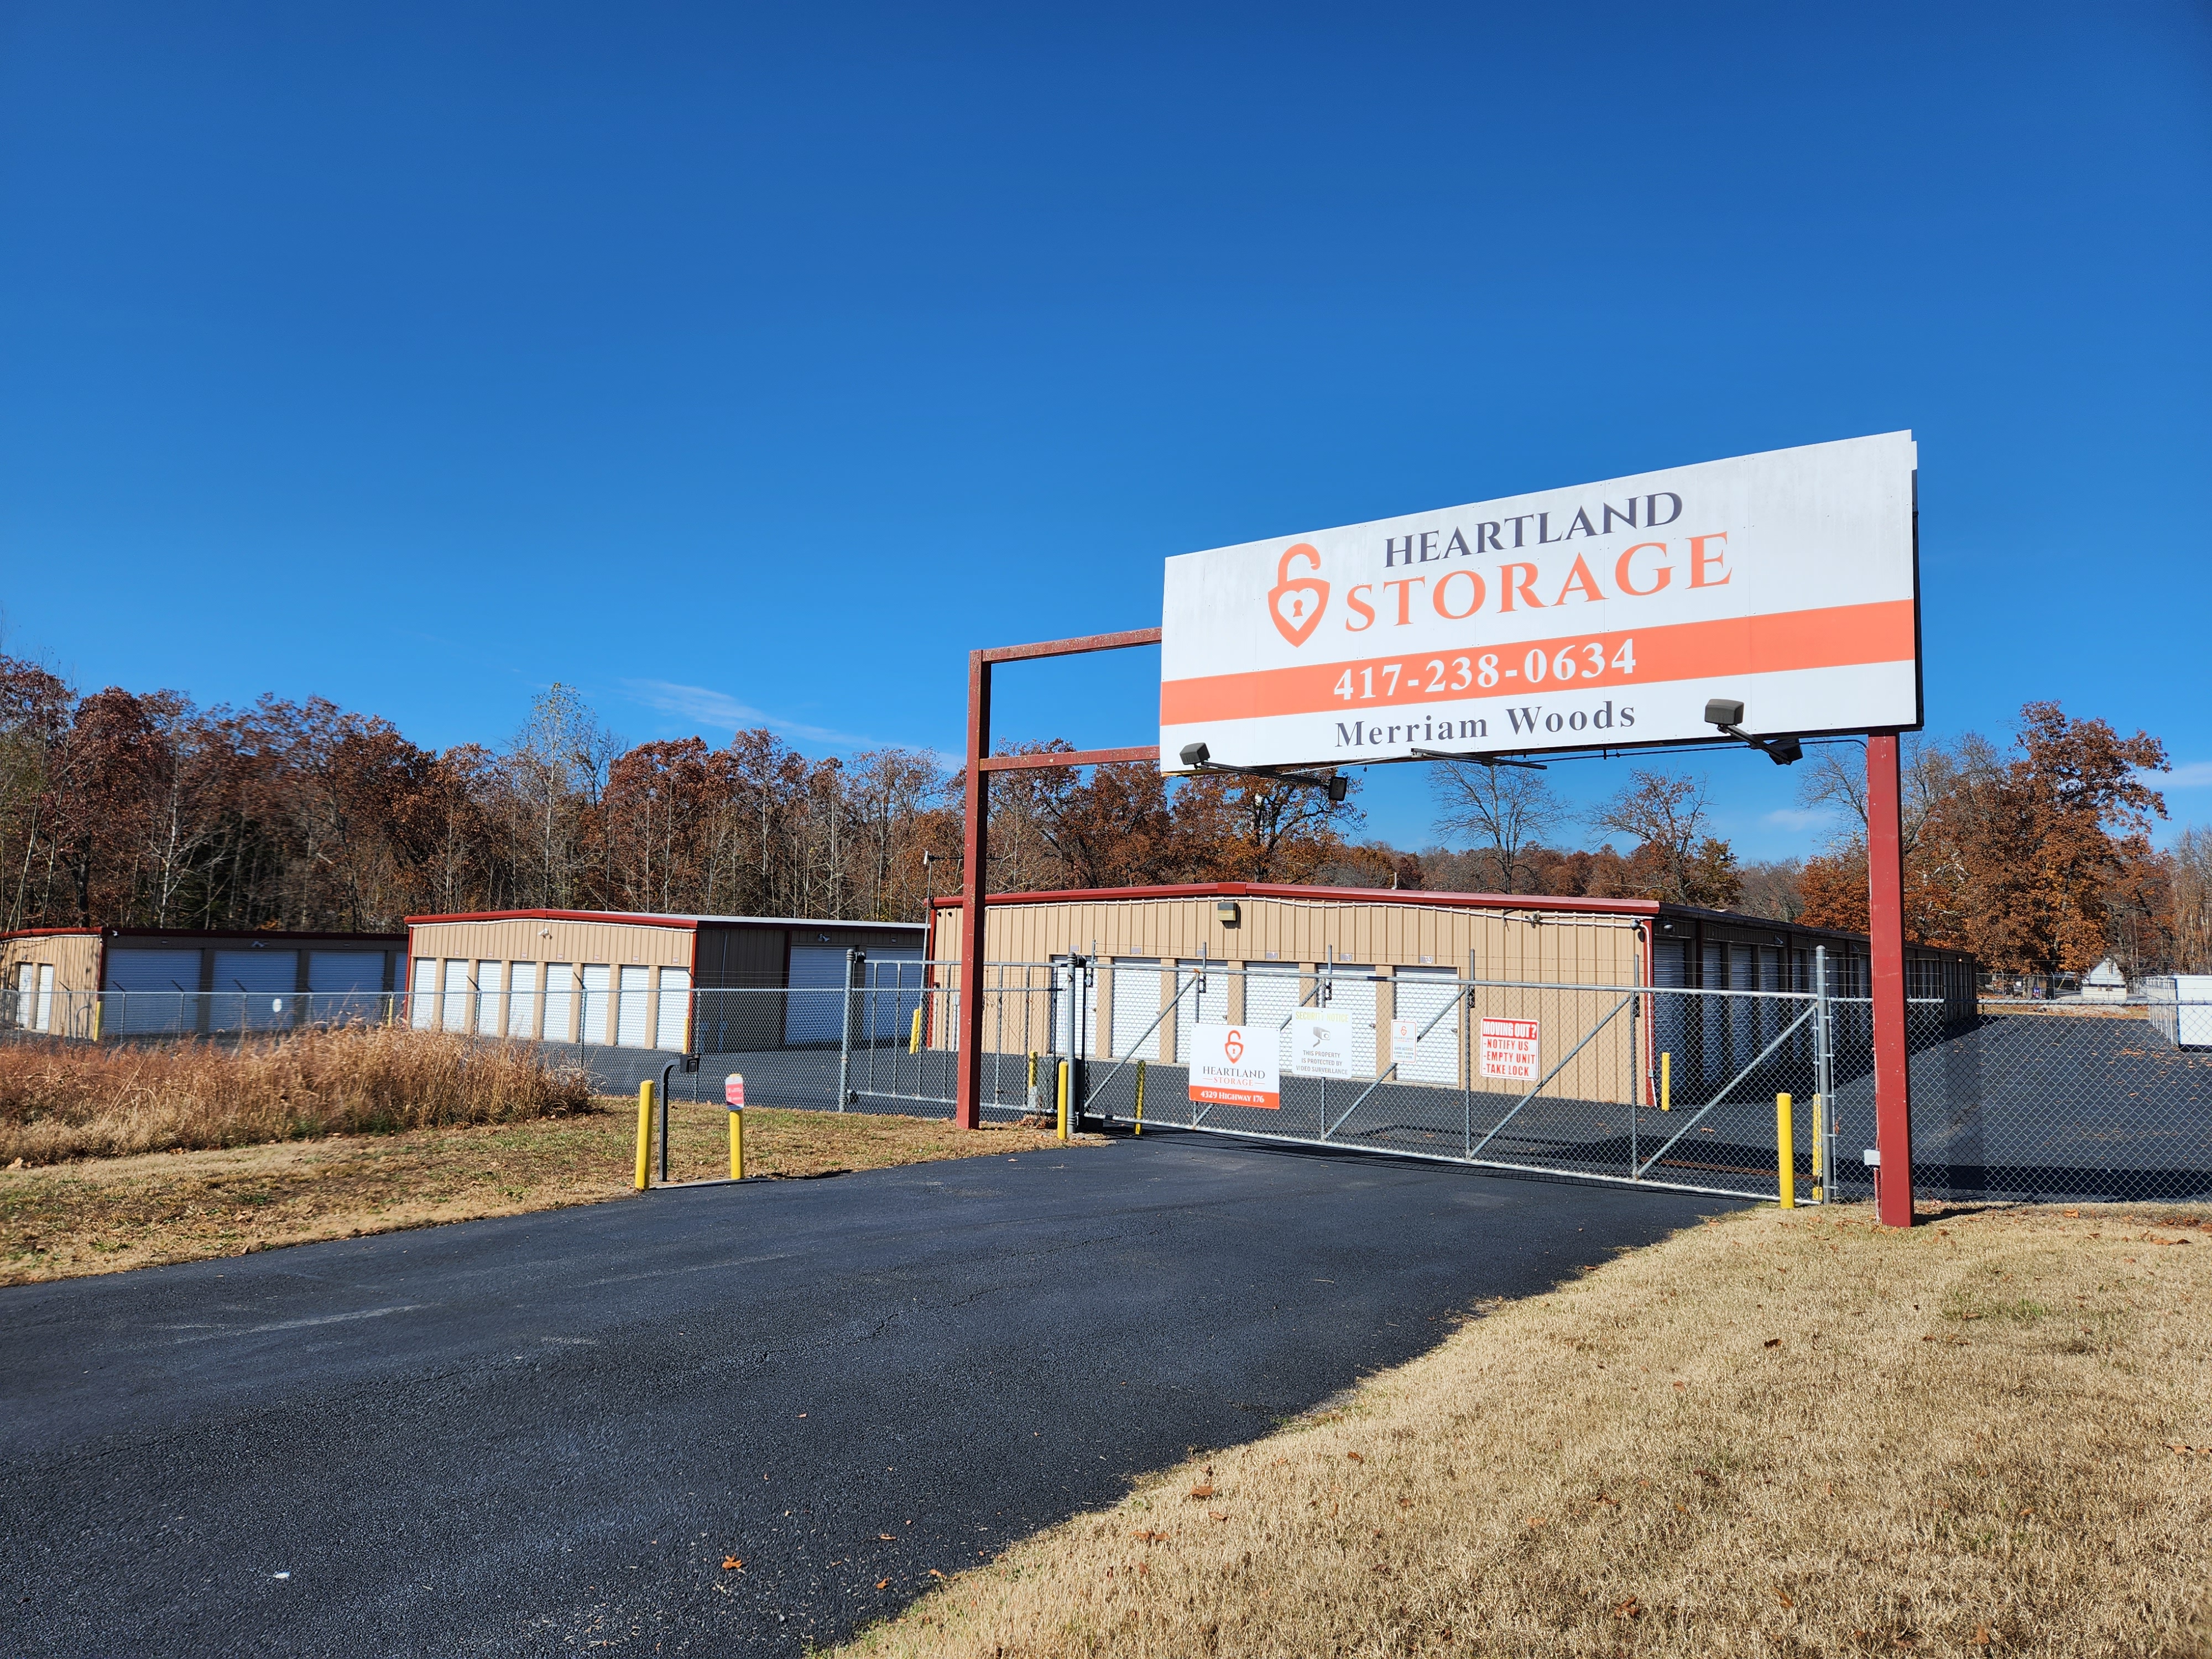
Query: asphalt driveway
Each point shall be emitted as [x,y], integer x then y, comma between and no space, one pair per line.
[544,1433]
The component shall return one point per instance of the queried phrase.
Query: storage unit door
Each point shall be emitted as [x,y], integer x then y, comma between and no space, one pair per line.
[160,991]
[630,1029]
[560,1001]
[1209,1006]
[26,980]
[491,1006]
[453,1015]
[254,990]
[598,979]
[1271,996]
[45,1017]
[1136,1009]
[675,1005]
[344,984]
[813,1011]
[423,1001]
[1424,993]
[1351,991]
[894,977]
[522,998]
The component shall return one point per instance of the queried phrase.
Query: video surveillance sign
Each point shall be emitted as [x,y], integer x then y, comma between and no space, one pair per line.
[1600,616]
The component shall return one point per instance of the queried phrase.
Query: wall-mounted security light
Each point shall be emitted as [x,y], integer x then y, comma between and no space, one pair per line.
[1224,912]
[1727,713]
[1199,758]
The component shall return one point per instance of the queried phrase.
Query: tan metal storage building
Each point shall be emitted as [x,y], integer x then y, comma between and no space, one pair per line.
[83,981]
[1391,954]
[622,980]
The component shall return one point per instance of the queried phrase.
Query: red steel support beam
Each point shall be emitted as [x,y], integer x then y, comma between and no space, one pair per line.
[1066,757]
[1892,1097]
[968,1034]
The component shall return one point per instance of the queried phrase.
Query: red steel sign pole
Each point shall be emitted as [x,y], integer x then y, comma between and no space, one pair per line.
[1892,1096]
[967,1029]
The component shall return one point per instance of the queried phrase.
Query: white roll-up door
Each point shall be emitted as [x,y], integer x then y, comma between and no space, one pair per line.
[560,1001]
[813,1010]
[421,1004]
[254,989]
[491,1006]
[160,990]
[1194,1007]
[631,1030]
[522,998]
[1271,996]
[598,1000]
[675,1005]
[453,1016]
[26,979]
[1351,991]
[1136,1009]
[45,1021]
[1423,995]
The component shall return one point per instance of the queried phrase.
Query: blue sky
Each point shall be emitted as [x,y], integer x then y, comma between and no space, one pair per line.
[748,367]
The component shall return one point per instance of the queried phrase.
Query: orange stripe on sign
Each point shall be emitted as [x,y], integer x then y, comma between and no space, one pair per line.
[1840,636]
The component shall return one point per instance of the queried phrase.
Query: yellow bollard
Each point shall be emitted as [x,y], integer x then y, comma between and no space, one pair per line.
[644,1134]
[737,1145]
[1064,1069]
[95,1019]
[1785,1141]
[914,1042]
[1140,1097]
[1818,1166]
[1666,1081]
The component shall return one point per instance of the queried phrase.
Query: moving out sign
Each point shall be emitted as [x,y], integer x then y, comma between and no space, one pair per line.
[1511,1049]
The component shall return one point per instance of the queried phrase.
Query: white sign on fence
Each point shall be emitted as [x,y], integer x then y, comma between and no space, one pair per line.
[1233,1066]
[1511,1049]
[1321,1042]
[1405,1044]
[1596,615]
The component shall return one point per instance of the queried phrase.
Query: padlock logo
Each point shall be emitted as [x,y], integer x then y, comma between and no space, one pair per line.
[1233,1046]
[1295,604]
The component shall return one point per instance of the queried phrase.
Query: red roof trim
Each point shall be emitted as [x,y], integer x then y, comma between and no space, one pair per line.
[394,940]
[1413,896]
[619,917]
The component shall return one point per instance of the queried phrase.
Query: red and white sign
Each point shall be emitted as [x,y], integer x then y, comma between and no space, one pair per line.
[1511,1049]
[733,1091]
[1232,1065]
[1596,615]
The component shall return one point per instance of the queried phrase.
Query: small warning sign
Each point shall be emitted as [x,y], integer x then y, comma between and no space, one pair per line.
[733,1091]
[1512,1049]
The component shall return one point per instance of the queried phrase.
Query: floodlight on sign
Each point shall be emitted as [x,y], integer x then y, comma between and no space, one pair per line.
[1597,616]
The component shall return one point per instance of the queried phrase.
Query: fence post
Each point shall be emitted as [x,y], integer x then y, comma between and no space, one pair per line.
[854,963]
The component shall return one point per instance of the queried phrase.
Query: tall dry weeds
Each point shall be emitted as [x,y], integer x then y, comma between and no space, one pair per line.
[60,1102]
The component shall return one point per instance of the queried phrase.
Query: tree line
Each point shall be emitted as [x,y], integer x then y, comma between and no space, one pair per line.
[144,809]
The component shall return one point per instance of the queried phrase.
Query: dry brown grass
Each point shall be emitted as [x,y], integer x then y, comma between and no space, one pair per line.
[103,1215]
[1772,1434]
[65,1101]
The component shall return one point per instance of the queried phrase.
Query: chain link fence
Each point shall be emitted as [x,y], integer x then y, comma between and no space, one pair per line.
[2019,1099]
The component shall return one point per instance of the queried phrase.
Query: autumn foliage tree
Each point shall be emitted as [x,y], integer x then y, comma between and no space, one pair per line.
[2028,859]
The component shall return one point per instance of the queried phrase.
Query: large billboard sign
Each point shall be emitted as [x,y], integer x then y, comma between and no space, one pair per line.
[1600,616]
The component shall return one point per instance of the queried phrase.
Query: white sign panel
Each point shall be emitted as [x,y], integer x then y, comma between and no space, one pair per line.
[1512,1049]
[1603,615]
[1231,1066]
[1405,1044]
[1321,1042]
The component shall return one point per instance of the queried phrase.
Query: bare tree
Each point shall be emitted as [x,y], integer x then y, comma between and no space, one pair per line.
[1504,810]
[1666,814]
